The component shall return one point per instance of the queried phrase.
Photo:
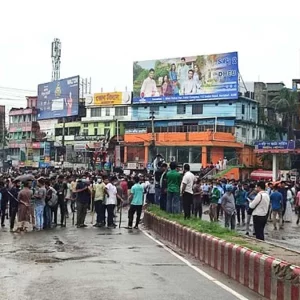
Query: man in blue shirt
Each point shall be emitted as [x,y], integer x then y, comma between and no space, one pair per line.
[136,197]
[276,199]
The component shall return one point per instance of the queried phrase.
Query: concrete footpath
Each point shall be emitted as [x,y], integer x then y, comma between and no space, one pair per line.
[111,264]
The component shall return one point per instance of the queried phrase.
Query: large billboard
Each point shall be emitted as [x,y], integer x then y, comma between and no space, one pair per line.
[111,99]
[192,78]
[58,99]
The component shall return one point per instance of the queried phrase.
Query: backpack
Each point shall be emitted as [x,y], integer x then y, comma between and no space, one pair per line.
[54,199]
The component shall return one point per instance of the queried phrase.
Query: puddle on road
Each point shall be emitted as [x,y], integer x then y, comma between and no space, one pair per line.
[109,233]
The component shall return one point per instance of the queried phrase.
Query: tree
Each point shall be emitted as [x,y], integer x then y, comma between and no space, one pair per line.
[137,69]
[287,105]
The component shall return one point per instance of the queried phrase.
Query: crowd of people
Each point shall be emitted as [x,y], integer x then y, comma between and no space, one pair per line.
[37,199]
[34,201]
[238,202]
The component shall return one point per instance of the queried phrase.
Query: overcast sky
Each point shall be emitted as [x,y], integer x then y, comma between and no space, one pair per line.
[101,39]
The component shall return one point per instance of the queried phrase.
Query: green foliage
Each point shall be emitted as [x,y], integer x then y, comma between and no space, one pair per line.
[137,69]
[211,228]
[287,105]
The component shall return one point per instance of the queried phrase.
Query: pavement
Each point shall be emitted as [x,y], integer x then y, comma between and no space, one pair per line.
[93,263]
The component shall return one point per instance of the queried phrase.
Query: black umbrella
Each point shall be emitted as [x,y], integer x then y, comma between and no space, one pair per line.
[25,177]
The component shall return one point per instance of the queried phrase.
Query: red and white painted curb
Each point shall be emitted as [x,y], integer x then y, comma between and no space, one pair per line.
[272,278]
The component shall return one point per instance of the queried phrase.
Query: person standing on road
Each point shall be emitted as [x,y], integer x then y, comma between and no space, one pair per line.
[240,201]
[24,207]
[283,191]
[39,203]
[83,200]
[13,203]
[111,201]
[173,189]
[51,201]
[99,189]
[197,199]
[150,196]
[276,206]
[61,189]
[136,205]
[260,207]
[228,205]
[163,187]
[187,190]
[213,207]
[68,195]
[4,202]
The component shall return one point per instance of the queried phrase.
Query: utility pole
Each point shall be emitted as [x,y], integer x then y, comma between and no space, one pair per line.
[56,55]
[152,145]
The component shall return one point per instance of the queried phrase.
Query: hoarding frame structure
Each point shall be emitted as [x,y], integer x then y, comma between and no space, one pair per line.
[65,92]
[195,78]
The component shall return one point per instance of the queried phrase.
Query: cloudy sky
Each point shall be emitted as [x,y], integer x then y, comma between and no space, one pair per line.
[101,39]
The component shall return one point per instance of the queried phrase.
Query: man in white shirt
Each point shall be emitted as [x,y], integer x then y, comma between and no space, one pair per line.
[183,72]
[187,190]
[189,86]
[111,200]
[225,163]
[260,206]
[149,88]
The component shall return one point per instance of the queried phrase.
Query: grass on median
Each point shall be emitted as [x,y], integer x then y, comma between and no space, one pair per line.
[211,228]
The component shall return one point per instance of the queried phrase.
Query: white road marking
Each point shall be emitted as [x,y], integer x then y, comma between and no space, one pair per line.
[201,272]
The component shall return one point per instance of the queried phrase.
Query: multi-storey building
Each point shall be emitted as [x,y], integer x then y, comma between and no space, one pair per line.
[104,121]
[198,133]
[26,145]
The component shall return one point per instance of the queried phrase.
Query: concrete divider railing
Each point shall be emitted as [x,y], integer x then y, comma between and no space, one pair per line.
[270,277]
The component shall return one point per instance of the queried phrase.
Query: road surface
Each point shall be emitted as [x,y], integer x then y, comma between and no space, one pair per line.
[92,263]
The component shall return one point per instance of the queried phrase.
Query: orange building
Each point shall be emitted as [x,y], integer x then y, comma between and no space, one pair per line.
[209,146]
[196,133]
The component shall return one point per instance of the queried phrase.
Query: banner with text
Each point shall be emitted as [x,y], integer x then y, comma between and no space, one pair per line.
[111,99]
[58,99]
[194,78]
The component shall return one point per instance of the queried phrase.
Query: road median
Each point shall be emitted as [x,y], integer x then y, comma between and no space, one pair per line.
[271,271]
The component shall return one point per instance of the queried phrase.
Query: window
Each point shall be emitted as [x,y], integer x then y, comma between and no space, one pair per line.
[155,109]
[95,131]
[107,111]
[96,112]
[106,124]
[197,109]
[243,109]
[95,124]
[260,135]
[85,131]
[253,133]
[85,125]
[121,111]
[181,109]
[106,131]
[243,132]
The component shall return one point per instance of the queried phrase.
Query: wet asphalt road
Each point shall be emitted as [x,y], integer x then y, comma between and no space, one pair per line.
[92,263]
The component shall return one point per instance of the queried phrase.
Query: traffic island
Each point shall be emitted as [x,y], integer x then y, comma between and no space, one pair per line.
[248,261]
